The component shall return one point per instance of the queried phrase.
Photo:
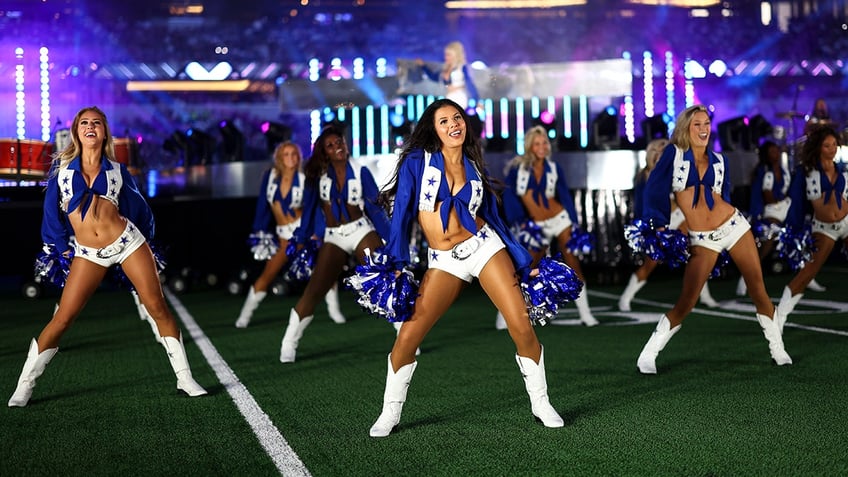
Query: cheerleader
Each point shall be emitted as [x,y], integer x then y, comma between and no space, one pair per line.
[697,176]
[440,183]
[818,187]
[344,198]
[455,75]
[279,202]
[93,198]
[537,190]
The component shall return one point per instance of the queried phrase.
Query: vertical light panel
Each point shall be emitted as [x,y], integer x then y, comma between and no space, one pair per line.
[504,118]
[44,68]
[314,125]
[669,84]
[489,107]
[566,117]
[648,83]
[410,108]
[369,130]
[629,121]
[20,97]
[384,127]
[584,121]
[552,112]
[355,131]
[519,122]
[688,87]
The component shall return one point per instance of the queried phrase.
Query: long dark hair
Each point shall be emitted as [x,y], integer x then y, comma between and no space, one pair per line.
[425,137]
[318,161]
[811,151]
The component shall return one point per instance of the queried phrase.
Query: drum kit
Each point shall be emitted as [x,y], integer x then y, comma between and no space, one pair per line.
[23,160]
[794,138]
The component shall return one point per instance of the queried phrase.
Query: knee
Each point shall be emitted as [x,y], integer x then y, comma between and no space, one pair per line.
[158,310]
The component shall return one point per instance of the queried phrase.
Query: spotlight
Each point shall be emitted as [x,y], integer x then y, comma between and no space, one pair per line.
[275,133]
[760,128]
[201,147]
[401,128]
[734,134]
[178,143]
[605,129]
[548,121]
[655,127]
[232,142]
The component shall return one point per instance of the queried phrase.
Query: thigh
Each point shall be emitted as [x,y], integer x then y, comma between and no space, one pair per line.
[371,241]
[140,269]
[697,271]
[83,279]
[747,259]
[436,293]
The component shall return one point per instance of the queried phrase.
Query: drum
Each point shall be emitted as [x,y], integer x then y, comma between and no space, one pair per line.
[24,157]
[123,150]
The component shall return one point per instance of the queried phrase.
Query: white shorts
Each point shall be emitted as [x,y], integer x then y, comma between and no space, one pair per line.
[833,230]
[347,236]
[676,219]
[777,210]
[116,252]
[467,258]
[551,228]
[722,238]
[286,232]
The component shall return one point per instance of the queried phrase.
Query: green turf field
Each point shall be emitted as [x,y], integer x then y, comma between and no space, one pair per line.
[107,403]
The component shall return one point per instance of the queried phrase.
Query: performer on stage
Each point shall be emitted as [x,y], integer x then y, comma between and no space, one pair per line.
[441,183]
[819,187]
[536,190]
[697,176]
[346,197]
[676,221]
[95,199]
[455,75]
[279,202]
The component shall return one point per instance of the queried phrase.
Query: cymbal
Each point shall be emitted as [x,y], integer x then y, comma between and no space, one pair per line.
[790,115]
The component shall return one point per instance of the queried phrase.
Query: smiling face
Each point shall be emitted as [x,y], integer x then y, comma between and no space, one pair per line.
[450,127]
[699,129]
[335,148]
[540,146]
[287,157]
[91,129]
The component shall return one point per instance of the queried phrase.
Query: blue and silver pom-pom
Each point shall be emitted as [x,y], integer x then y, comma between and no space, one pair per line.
[669,246]
[796,246]
[301,260]
[721,262]
[765,230]
[263,245]
[382,290]
[581,242]
[555,285]
[530,236]
[53,267]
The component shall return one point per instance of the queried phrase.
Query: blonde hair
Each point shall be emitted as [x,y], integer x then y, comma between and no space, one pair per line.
[680,136]
[74,148]
[653,151]
[528,157]
[458,50]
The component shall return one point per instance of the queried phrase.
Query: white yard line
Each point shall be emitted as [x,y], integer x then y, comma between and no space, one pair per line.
[731,309]
[270,438]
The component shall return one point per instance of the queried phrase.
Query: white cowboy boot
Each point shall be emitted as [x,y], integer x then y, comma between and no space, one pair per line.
[583,309]
[254,298]
[500,321]
[771,330]
[177,356]
[397,383]
[397,325]
[647,361]
[537,388]
[33,368]
[633,287]
[787,305]
[294,331]
[741,287]
[816,286]
[706,298]
[332,299]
